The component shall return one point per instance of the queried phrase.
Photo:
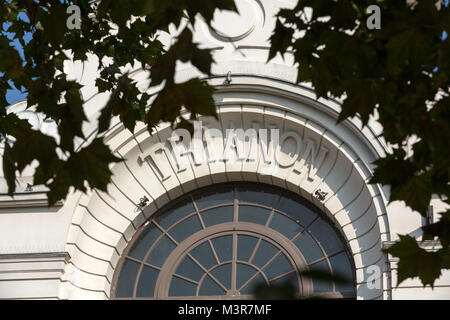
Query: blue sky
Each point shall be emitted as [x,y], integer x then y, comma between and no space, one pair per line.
[15,95]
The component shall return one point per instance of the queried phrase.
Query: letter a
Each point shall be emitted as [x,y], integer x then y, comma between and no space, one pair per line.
[74,20]
[374,278]
[374,20]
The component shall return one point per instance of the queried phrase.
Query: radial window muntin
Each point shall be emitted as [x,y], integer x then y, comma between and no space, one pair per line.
[132,272]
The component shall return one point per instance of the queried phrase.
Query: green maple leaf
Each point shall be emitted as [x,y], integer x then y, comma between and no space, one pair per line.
[416,192]
[92,162]
[440,229]
[415,261]
[280,39]
[195,95]
[9,169]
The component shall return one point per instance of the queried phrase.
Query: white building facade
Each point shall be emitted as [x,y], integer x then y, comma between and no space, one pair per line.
[272,187]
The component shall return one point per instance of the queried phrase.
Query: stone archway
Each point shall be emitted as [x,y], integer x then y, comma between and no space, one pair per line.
[103,224]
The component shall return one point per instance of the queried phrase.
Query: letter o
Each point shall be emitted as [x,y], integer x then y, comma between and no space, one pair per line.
[283,138]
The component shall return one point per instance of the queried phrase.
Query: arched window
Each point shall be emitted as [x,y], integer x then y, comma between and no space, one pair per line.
[222,240]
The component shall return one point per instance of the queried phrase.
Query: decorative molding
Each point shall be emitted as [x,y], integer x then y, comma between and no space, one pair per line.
[35,255]
[429,245]
[28,203]
[251,13]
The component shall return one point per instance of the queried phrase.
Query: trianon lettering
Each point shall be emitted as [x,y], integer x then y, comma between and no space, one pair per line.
[264,147]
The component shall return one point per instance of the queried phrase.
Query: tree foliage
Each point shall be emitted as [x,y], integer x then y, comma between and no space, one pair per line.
[399,73]
[120,34]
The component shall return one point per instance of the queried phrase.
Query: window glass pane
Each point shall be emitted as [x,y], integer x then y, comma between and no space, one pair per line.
[145,241]
[263,195]
[246,245]
[296,210]
[189,269]
[264,253]
[308,247]
[277,267]
[342,268]
[217,215]
[212,197]
[184,208]
[147,281]
[181,288]
[223,274]
[243,274]
[321,285]
[160,252]
[186,228]
[327,236]
[223,247]
[250,288]
[253,214]
[287,227]
[126,280]
[210,288]
[204,255]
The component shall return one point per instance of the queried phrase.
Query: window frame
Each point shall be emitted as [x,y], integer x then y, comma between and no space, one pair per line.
[175,257]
